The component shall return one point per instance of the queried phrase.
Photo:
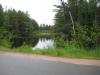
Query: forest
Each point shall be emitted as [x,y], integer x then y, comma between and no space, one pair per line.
[76,23]
[79,21]
[16,27]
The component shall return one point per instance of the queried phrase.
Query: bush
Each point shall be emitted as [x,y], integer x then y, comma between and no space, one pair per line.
[60,42]
[24,48]
[4,43]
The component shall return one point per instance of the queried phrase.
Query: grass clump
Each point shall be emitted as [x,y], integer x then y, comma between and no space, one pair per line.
[24,48]
[73,53]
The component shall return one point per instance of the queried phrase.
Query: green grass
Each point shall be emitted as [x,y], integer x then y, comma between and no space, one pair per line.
[61,52]
[77,53]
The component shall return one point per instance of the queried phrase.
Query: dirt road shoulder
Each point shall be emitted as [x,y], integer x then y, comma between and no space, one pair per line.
[91,62]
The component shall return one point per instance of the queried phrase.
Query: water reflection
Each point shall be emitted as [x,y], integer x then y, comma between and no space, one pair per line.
[17,42]
[44,43]
[36,42]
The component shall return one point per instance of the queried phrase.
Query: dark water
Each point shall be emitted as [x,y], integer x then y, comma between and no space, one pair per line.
[37,42]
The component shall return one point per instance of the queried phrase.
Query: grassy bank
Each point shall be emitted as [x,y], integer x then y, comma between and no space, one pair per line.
[62,52]
[77,53]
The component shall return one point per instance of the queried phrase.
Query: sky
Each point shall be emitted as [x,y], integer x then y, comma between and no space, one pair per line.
[40,10]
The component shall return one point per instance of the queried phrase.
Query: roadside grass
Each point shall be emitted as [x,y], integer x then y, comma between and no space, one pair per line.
[61,52]
[77,53]
[24,49]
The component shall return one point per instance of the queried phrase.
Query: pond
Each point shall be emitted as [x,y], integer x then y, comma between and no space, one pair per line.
[44,43]
[37,42]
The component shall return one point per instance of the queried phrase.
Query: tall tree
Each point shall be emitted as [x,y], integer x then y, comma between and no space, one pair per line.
[86,18]
[1,16]
[1,22]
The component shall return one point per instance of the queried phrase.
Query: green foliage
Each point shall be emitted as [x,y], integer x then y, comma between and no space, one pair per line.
[4,43]
[59,42]
[16,27]
[86,17]
[23,48]
[1,16]
[72,52]
[62,25]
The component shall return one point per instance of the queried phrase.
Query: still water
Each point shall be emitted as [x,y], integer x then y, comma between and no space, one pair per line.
[44,43]
[36,42]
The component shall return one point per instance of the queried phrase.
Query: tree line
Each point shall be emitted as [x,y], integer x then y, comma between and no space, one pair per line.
[76,21]
[45,27]
[16,27]
[85,28]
